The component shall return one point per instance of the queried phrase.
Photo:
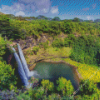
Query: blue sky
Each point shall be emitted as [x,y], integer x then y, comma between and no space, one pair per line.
[65,9]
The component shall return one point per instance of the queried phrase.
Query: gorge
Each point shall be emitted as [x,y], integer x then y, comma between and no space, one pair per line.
[42,70]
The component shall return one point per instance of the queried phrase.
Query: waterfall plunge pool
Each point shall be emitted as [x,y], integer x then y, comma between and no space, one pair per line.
[52,71]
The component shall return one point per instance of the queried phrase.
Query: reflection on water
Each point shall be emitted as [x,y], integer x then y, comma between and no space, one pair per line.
[53,71]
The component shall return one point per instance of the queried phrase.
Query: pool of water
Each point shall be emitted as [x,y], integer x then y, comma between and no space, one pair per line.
[53,71]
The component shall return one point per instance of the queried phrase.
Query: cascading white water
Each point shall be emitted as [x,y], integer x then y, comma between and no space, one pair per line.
[25,67]
[21,71]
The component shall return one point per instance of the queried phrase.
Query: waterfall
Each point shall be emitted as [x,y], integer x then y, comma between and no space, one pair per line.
[21,71]
[25,67]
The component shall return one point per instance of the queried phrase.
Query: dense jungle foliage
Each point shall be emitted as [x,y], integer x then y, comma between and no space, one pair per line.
[85,49]
[14,29]
[7,77]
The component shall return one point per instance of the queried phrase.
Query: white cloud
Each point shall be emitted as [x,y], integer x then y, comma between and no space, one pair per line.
[90,17]
[54,10]
[21,13]
[16,7]
[6,9]
[42,11]
[30,7]
[45,10]
[38,4]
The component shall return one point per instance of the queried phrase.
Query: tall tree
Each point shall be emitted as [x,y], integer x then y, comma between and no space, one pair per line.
[89,88]
[76,19]
[56,19]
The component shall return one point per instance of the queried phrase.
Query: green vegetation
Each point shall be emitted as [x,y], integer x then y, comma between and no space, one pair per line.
[43,91]
[69,41]
[6,29]
[65,86]
[58,43]
[86,50]
[7,77]
[56,19]
[14,28]
[35,50]
[44,45]
[47,85]
[89,88]
[2,47]
[24,96]
[83,51]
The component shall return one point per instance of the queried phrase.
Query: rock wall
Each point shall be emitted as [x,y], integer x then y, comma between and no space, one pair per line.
[30,41]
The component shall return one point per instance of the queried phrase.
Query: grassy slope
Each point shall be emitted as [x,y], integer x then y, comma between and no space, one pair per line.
[86,71]
[65,51]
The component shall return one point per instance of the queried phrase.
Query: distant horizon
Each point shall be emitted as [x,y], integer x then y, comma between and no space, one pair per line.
[57,16]
[64,9]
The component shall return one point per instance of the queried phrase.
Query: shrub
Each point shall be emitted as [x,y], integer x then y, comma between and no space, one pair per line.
[65,86]
[47,85]
[43,26]
[58,43]
[7,77]
[23,33]
[10,29]
[44,45]
[35,49]
[2,46]
[68,27]
[39,93]
[54,28]
[89,88]
[36,93]
[54,96]
[69,41]
[66,44]
[67,98]
[94,96]
[23,96]
[32,92]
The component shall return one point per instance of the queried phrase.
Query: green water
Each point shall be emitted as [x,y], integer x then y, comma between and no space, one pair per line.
[53,71]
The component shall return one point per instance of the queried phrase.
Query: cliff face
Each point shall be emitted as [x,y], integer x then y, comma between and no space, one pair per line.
[30,41]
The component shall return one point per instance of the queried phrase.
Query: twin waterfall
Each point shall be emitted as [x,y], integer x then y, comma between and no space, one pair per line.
[23,70]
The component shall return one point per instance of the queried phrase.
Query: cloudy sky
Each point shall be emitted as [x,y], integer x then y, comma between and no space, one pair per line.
[65,9]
